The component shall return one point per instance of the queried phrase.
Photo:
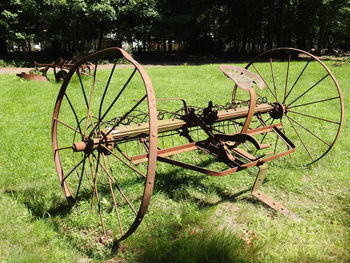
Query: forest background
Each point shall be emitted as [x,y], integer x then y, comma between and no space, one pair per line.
[75,27]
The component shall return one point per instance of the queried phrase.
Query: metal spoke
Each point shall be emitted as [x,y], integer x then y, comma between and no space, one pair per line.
[121,152]
[113,102]
[313,102]
[287,75]
[262,140]
[306,129]
[126,115]
[257,71]
[72,170]
[273,79]
[68,126]
[119,189]
[119,94]
[124,162]
[74,112]
[81,176]
[93,179]
[263,123]
[105,91]
[296,81]
[314,117]
[115,203]
[63,148]
[301,140]
[96,192]
[318,82]
[82,88]
[90,99]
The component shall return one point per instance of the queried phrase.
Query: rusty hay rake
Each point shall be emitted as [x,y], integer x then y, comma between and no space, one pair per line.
[108,134]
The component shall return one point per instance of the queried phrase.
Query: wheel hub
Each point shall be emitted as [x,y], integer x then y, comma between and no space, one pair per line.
[103,144]
[278,111]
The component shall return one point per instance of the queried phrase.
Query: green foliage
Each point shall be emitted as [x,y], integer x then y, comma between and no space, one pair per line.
[248,26]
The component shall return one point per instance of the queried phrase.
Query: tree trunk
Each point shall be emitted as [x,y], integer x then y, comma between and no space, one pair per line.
[100,39]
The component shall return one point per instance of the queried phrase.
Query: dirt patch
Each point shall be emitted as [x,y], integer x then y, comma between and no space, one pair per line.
[14,70]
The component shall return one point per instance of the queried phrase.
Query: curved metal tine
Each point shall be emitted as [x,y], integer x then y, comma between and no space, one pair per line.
[105,90]
[126,115]
[91,95]
[197,153]
[163,144]
[287,77]
[306,129]
[172,137]
[118,187]
[115,203]
[314,117]
[273,78]
[296,81]
[257,71]
[82,87]
[314,102]
[318,82]
[301,140]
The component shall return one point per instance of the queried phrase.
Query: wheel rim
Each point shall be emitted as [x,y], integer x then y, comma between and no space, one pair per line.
[87,109]
[307,97]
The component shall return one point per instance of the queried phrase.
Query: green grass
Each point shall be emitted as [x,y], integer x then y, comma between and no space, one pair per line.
[192,217]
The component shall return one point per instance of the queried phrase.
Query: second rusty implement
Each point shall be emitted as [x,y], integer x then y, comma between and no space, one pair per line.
[109,130]
[61,67]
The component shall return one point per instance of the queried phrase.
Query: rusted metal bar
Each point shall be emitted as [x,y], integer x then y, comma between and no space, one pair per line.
[220,133]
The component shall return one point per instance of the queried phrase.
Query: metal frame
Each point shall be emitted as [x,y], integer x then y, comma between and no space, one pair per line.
[224,147]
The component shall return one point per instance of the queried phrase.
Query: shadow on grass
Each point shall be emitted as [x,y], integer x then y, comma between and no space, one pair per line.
[174,183]
[41,204]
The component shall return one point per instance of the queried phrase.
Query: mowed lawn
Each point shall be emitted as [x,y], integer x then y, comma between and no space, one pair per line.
[192,217]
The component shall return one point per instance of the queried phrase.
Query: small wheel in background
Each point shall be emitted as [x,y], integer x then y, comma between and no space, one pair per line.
[61,75]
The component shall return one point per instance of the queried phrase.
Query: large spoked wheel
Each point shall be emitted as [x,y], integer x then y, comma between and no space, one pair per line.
[93,166]
[307,100]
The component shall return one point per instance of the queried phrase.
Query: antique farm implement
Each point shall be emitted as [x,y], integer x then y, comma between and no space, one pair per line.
[109,130]
[61,67]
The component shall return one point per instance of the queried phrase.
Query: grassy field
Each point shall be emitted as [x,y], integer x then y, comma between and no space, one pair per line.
[192,217]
